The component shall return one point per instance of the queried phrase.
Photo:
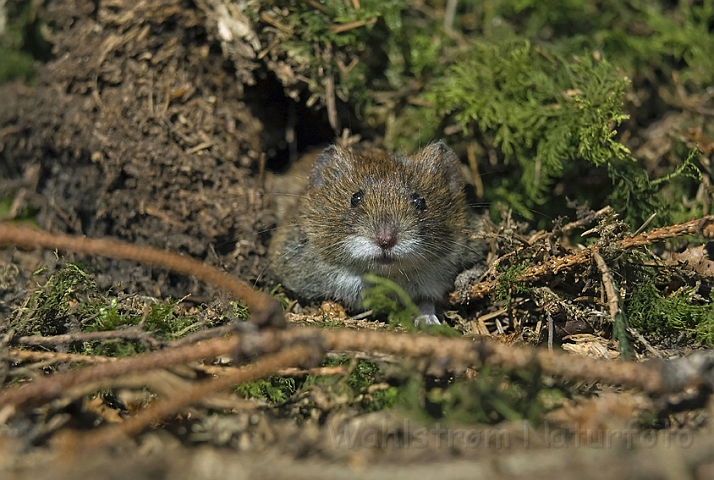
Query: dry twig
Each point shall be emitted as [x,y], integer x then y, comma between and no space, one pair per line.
[132,333]
[54,357]
[654,376]
[703,226]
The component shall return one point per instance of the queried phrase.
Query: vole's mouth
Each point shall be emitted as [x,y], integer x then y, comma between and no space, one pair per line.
[364,251]
[385,260]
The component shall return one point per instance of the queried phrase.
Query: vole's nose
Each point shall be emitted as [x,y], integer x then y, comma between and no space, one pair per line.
[386,236]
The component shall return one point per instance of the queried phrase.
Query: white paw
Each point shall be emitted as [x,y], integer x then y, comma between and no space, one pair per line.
[426,320]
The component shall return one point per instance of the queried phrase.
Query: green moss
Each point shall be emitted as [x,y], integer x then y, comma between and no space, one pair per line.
[318,49]
[363,374]
[5,205]
[22,41]
[535,101]
[385,399]
[14,63]
[274,388]
[496,395]
[638,196]
[281,297]
[652,311]
[69,298]
[240,310]
[493,396]
[161,321]
[47,309]
[509,282]
[637,35]
[388,298]
[547,115]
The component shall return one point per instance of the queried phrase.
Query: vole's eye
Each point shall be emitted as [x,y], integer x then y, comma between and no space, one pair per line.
[356,199]
[418,201]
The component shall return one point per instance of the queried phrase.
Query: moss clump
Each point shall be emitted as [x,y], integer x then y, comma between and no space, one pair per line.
[363,373]
[275,388]
[638,196]
[352,389]
[240,310]
[356,386]
[493,396]
[48,307]
[14,63]
[509,283]
[387,298]
[651,310]
[543,110]
[497,395]
[637,35]
[548,114]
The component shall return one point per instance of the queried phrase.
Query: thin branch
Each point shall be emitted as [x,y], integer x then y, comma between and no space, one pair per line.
[55,357]
[132,333]
[205,335]
[583,222]
[264,367]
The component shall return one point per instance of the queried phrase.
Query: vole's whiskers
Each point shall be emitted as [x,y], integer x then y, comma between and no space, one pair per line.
[352,191]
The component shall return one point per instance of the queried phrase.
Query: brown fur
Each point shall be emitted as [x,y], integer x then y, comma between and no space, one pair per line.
[326,244]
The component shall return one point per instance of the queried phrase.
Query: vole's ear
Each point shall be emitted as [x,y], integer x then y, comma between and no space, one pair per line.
[438,159]
[330,165]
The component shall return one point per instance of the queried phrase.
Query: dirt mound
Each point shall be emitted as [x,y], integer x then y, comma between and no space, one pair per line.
[137,129]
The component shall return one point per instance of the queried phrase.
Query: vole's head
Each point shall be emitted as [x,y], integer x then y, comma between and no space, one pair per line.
[383,214]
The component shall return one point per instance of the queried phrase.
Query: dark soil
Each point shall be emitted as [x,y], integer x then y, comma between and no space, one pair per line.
[139,129]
